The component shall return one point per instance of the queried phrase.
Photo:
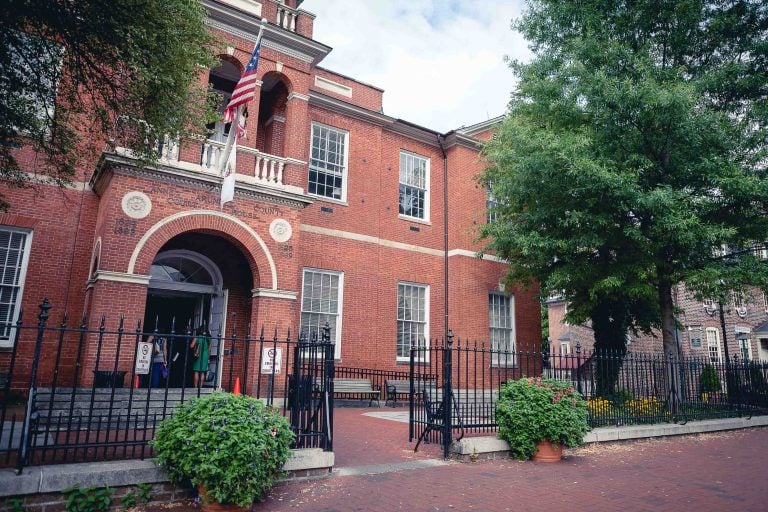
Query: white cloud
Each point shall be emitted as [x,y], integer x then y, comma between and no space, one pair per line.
[440,62]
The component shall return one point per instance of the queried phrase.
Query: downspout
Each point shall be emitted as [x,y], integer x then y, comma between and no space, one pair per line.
[440,141]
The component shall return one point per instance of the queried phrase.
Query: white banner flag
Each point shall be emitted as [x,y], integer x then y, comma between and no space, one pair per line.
[229,171]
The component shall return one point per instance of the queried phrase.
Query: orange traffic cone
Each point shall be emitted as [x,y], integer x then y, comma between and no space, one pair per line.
[136,382]
[236,391]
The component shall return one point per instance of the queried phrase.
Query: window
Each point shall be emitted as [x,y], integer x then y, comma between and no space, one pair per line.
[713,344]
[412,315]
[760,251]
[321,301]
[709,303]
[502,334]
[694,333]
[491,205]
[328,163]
[739,303]
[14,258]
[765,301]
[414,191]
[565,348]
[745,347]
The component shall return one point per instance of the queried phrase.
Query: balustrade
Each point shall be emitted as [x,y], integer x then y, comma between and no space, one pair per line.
[287,17]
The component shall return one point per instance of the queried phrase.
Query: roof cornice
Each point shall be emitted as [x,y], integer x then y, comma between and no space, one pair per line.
[386,122]
[246,26]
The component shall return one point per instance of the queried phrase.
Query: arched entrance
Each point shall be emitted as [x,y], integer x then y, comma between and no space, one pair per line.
[197,281]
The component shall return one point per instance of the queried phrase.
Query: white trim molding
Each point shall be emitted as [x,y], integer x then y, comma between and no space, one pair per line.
[210,213]
[298,96]
[274,294]
[119,277]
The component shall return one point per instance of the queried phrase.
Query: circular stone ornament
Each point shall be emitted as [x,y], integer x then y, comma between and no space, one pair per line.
[280,230]
[136,205]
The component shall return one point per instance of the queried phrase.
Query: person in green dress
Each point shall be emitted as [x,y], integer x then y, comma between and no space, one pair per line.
[201,347]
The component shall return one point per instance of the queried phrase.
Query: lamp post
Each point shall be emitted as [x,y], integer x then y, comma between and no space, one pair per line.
[728,376]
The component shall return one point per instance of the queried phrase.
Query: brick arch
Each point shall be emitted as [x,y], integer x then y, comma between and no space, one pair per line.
[238,232]
[279,76]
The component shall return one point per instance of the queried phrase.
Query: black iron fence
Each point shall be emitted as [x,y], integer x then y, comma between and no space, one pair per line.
[76,393]
[455,386]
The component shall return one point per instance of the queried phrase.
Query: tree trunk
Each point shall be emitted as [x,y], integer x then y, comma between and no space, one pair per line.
[672,386]
[610,323]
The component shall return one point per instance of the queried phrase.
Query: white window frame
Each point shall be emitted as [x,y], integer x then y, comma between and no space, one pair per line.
[565,348]
[407,155]
[425,322]
[7,338]
[713,342]
[345,167]
[695,332]
[336,339]
[739,301]
[508,329]
[491,205]
[744,340]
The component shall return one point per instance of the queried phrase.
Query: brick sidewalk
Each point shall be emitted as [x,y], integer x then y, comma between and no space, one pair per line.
[710,472]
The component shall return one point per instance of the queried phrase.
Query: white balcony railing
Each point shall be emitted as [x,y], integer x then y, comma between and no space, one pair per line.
[287,18]
[168,150]
[268,169]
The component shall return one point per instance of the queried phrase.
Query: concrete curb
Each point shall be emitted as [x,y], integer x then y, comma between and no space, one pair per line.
[486,447]
[56,478]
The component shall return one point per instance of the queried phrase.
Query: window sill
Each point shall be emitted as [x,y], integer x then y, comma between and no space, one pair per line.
[328,200]
[414,219]
[401,362]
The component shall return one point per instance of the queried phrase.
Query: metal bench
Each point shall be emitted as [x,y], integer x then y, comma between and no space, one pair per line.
[397,387]
[362,387]
[435,411]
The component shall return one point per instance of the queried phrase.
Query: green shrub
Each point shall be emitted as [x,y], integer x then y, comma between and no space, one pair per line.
[709,381]
[621,397]
[233,445]
[531,410]
[91,499]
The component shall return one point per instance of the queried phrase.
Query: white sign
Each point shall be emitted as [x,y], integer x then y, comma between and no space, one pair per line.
[271,357]
[143,357]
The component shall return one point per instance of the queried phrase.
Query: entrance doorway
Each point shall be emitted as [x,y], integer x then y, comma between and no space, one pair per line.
[185,296]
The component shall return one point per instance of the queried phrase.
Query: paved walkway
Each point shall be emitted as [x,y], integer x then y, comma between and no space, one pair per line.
[378,471]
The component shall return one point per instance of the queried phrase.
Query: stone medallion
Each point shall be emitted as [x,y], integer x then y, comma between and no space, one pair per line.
[280,230]
[136,205]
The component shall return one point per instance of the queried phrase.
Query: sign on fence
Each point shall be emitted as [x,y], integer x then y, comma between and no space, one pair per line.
[271,358]
[143,358]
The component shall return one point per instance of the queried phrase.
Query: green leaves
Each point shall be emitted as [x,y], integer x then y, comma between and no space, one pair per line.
[137,61]
[233,445]
[531,410]
[630,151]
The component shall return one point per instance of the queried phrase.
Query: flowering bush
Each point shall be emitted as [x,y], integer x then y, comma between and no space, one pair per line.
[644,407]
[531,410]
[600,407]
[235,446]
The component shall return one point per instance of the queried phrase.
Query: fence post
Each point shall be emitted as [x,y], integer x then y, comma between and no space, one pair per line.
[447,394]
[25,434]
[330,370]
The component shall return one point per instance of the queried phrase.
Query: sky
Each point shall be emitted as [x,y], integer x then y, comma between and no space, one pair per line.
[440,62]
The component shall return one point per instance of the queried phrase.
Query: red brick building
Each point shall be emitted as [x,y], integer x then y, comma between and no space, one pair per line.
[701,336]
[341,214]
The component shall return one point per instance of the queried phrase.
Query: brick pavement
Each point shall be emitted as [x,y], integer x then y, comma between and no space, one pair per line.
[708,472]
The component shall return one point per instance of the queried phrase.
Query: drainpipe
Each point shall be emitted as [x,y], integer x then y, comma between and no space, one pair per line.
[440,141]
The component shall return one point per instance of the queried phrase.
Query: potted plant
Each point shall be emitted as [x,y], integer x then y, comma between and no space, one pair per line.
[232,447]
[537,415]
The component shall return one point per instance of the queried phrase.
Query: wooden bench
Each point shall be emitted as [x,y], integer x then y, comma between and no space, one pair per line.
[362,387]
[397,387]
[86,408]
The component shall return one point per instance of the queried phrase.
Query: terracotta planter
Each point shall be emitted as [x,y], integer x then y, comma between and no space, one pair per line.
[209,505]
[548,452]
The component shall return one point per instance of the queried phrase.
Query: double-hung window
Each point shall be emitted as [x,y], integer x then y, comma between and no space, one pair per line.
[412,323]
[328,163]
[14,258]
[321,302]
[713,344]
[491,206]
[414,186]
[502,328]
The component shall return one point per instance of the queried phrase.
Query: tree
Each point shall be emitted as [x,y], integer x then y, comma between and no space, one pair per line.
[71,70]
[635,144]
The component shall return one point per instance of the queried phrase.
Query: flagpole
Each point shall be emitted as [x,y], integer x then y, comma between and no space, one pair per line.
[224,157]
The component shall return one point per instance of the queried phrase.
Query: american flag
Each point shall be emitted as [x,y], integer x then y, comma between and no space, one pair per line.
[245,88]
